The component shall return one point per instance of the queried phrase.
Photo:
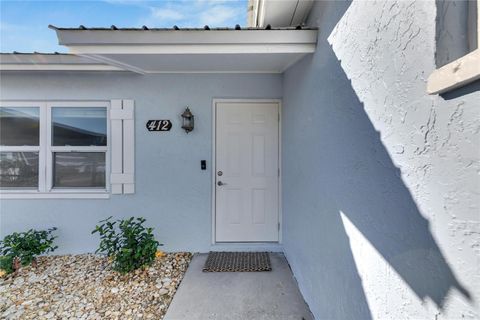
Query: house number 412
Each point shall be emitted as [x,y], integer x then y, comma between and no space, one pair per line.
[159,125]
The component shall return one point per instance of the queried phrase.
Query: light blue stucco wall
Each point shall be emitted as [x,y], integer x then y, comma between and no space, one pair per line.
[172,193]
[380,180]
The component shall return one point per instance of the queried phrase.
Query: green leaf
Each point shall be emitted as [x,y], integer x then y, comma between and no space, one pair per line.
[130,243]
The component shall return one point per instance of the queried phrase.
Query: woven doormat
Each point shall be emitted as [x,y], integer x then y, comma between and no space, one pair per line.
[237,262]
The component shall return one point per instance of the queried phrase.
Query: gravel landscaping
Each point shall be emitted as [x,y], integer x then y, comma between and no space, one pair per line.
[85,287]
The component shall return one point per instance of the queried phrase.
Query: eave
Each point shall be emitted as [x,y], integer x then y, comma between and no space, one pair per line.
[191,50]
[36,61]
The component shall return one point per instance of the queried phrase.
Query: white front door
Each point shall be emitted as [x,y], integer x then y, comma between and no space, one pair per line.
[247,172]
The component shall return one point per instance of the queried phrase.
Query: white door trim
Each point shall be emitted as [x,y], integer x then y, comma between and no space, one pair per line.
[215,101]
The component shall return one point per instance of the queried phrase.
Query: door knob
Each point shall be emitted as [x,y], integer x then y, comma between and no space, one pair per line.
[220,183]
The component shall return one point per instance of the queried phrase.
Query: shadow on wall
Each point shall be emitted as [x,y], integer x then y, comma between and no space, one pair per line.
[464,90]
[335,161]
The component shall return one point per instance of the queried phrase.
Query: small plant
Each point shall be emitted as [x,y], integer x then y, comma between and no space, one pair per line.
[23,248]
[127,242]
[6,265]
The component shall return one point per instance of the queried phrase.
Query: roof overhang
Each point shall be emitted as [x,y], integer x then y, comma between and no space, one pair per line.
[191,50]
[278,13]
[50,62]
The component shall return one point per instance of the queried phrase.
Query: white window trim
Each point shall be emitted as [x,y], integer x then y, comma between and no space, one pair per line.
[457,73]
[45,149]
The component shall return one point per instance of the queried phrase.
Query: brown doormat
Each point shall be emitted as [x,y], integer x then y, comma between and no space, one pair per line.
[237,262]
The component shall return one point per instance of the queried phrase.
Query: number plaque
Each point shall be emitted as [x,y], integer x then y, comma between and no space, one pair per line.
[159,125]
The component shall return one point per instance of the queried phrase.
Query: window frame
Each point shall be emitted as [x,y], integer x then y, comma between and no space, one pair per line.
[41,156]
[459,72]
[45,149]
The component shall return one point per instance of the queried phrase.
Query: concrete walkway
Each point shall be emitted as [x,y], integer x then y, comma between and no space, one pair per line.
[238,295]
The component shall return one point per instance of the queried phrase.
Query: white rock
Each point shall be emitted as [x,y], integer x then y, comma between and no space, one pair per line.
[162,291]
[85,287]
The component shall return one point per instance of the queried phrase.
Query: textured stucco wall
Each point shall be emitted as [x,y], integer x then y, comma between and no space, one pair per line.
[381,181]
[172,193]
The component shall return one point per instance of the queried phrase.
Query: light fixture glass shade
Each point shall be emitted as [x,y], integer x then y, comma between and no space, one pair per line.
[188,120]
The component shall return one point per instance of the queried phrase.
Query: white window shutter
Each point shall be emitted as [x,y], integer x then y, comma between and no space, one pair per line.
[122,176]
[129,146]
[116,147]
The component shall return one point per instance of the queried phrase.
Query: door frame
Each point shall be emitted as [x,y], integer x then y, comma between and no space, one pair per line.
[215,101]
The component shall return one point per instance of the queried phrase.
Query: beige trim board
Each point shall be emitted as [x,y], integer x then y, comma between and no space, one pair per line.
[455,74]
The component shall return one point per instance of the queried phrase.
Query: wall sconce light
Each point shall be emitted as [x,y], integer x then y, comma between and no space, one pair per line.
[188,120]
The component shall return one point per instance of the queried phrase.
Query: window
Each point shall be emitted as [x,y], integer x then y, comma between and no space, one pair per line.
[457,53]
[20,142]
[77,146]
[54,147]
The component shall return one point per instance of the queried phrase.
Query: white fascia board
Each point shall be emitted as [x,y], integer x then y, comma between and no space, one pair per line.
[191,49]
[42,58]
[58,67]
[76,37]
[51,62]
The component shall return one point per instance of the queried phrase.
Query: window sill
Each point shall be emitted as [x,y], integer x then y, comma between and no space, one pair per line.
[455,74]
[54,195]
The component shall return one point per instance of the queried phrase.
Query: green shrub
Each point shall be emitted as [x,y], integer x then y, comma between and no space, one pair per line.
[25,246]
[6,265]
[127,242]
